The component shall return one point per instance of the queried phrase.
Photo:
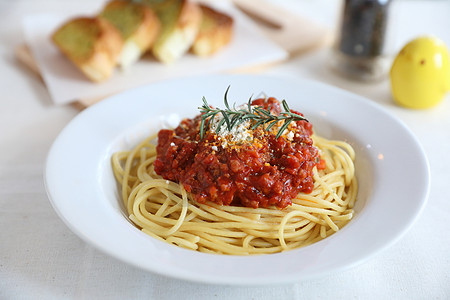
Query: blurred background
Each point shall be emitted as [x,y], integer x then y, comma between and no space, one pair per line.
[40,258]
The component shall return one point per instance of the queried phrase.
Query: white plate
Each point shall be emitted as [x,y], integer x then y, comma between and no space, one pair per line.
[392,171]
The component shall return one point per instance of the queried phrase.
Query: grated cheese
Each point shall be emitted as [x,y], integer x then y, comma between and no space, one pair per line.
[237,135]
[290,135]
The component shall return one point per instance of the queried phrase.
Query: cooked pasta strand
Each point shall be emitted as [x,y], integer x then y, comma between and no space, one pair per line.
[164,210]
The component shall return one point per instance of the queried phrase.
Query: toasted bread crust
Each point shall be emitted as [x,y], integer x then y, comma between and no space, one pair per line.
[147,33]
[181,38]
[99,60]
[190,15]
[215,32]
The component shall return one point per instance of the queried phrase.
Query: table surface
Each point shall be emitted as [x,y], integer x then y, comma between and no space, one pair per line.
[40,258]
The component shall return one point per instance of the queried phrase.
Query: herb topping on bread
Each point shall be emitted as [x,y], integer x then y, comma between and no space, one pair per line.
[138,25]
[92,44]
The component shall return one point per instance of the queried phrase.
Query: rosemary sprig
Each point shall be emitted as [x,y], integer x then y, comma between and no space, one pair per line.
[256,115]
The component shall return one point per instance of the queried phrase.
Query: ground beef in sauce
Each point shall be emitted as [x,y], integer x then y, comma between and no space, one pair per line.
[260,172]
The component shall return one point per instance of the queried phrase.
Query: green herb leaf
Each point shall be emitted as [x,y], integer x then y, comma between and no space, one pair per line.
[257,115]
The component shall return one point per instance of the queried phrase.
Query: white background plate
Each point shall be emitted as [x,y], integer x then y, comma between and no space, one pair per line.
[392,171]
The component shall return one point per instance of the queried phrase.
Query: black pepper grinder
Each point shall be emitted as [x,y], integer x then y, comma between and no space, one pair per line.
[361,48]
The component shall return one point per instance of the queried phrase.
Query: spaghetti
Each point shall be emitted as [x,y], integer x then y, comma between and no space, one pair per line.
[165,210]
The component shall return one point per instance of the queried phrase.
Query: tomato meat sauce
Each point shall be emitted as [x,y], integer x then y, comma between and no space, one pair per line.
[259,171]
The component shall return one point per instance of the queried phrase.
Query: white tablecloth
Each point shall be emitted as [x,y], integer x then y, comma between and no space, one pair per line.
[40,258]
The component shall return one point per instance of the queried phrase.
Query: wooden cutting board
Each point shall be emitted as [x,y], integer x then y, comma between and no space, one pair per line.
[290,31]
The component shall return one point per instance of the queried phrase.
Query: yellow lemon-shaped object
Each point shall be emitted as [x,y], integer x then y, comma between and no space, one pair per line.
[420,74]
